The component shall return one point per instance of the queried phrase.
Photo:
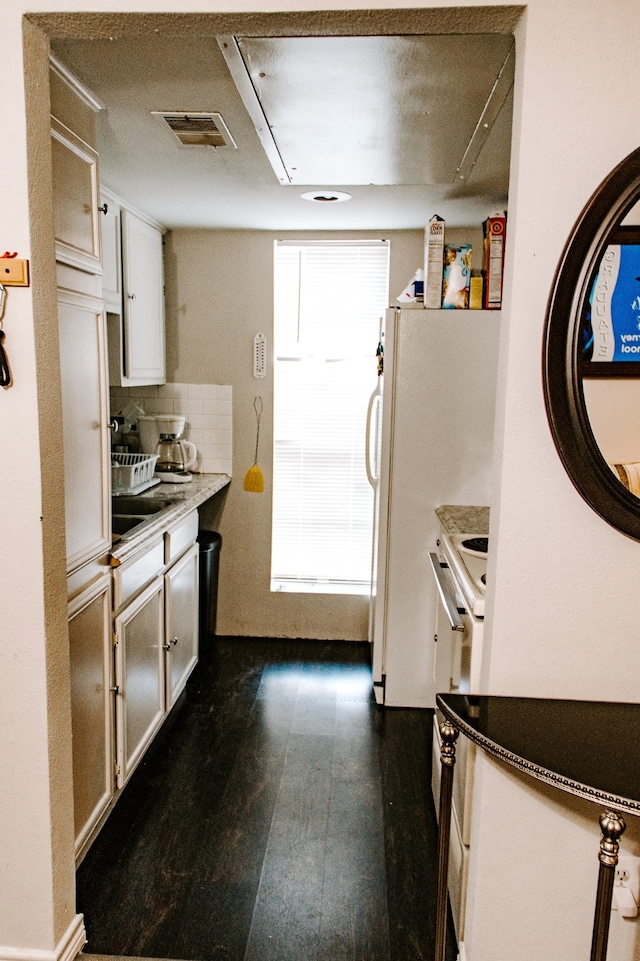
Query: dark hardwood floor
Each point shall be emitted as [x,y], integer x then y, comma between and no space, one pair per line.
[279,815]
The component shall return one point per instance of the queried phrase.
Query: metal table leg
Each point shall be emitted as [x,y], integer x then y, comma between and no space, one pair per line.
[612,827]
[449,735]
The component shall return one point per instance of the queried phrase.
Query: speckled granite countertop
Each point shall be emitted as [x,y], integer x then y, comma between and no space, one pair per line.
[184,498]
[456,519]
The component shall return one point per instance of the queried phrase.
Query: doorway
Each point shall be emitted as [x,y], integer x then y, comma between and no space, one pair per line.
[59,26]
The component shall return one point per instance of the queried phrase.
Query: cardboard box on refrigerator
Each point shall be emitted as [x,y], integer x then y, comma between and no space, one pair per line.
[456,276]
[494,236]
[433,262]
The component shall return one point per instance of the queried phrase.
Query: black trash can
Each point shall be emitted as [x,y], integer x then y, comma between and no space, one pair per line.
[210,543]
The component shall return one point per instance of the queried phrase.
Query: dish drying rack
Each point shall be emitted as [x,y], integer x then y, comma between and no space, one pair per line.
[132,473]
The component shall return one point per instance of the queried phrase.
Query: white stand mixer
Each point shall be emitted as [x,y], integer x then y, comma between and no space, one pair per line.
[162,435]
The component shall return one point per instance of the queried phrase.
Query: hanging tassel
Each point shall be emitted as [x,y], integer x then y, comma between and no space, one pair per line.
[254,479]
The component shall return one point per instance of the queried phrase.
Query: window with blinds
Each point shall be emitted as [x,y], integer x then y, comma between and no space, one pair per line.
[329,298]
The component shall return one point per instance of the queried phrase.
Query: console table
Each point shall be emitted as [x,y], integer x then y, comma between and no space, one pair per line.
[582,747]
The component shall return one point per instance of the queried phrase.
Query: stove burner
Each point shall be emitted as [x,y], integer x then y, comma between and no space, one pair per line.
[480,545]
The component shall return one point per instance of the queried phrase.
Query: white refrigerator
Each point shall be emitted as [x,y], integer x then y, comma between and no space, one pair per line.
[429,443]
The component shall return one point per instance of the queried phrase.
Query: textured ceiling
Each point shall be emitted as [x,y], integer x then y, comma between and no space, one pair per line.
[136,64]
[453,20]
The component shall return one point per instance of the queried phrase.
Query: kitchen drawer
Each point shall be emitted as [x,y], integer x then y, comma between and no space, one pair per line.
[89,573]
[180,536]
[133,575]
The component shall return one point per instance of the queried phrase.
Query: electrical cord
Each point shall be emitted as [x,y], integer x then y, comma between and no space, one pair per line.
[5,370]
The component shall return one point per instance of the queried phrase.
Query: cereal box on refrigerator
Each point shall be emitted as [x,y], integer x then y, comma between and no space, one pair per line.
[433,262]
[494,230]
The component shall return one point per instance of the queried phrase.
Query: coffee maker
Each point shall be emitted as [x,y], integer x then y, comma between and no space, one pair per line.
[162,435]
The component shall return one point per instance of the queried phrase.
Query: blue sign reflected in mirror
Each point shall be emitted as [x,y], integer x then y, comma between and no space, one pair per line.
[591,351]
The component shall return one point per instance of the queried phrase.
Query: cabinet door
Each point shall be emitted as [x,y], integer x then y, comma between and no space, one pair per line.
[111,253]
[144,344]
[139,676]
[181,622]
[85,431]
[91,706]
[75,199]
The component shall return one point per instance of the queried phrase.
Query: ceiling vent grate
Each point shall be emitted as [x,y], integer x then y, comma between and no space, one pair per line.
[196,129]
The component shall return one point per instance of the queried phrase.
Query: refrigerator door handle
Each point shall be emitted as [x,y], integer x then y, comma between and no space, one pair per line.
[373,476]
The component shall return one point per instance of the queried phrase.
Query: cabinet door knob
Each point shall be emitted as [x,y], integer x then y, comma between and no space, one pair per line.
[115,689]
[131,296]
[104,209]
[166,646]
[175,640]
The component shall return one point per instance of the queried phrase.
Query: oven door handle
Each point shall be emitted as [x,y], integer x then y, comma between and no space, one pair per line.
[448,601]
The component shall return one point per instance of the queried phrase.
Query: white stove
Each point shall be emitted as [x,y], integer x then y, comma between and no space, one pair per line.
[459,569]
[469,567]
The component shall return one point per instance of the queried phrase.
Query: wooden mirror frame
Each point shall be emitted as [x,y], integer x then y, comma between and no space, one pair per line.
[561,357]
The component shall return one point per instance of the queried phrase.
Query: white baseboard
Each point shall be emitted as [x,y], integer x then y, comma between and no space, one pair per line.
[68,948]
[462,954]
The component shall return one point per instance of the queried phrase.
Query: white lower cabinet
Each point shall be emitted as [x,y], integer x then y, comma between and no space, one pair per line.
[156,637]
[133,633]
[181,623]
[91,706]
[139,656]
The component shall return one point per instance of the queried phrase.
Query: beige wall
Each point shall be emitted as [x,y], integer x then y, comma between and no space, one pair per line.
[37,890]
[219,295]
[614,417]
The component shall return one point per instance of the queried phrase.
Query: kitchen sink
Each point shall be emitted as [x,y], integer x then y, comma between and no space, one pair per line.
[129,513]
[122,525]
[137,507]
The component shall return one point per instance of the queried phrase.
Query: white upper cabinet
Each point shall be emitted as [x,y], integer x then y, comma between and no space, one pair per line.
[133,292]
[143,351]
[75,199]
[85,428]
[111,252]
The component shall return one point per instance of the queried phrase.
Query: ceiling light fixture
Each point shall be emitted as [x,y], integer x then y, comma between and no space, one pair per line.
[325,196]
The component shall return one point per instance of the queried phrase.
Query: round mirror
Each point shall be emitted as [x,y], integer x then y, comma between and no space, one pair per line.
[591,355]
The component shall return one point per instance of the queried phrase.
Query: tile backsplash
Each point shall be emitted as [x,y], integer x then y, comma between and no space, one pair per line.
[207,408]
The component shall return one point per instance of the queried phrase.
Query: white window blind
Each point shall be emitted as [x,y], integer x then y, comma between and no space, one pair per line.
[329,298]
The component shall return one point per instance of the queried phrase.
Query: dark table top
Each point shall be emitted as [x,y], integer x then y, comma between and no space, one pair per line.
[587,748]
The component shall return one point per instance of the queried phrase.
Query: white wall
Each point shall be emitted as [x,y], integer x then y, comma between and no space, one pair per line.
[219,292]
[563,605]
[564,601]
